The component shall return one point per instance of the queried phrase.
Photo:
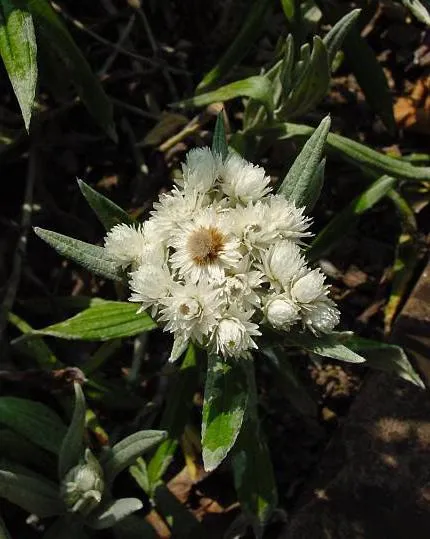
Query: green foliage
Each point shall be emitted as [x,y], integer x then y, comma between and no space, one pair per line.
[420,8]
[224,405]
[325,345]
[114,512]
[219,141]
[19,50]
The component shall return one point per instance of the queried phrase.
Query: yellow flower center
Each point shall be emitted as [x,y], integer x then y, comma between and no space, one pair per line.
[205,244]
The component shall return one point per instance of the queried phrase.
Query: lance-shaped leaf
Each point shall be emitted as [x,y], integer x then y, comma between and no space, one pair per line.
[370,161]
[179,403]
[107,211]
[4,534]
[420,8]
[303,183]
[18,448]
[257,87]
[114,512]
[334,39]
[325,345]
[385,357]
[219,141]
[91,257]
[345,220]
[224,406]
[72,448]
[101,322]
[33,420]
[19,52]
[33,493]
[288,7]
[125,452]
[87,85]
[252,468]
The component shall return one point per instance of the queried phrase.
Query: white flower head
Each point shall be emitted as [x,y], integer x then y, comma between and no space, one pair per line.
[250,225]
[242,181]
[150,284]
[129,244]
[175,208]
[321,316]
[240,287]
[281,312]
[200,170]
[285,219]
[283,262]
[192,310]
[204,247]
[309,287]
[233,335]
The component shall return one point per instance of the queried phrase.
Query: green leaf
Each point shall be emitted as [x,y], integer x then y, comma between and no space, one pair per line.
[345,220]
[114,513]
[75,64]
[286,377]
[100,322]
[252,468]
[420,8]
[249,31]
[4,534]
[355,153]
[33,493]
[179,403]
[324,345]
[91,257]
[289,8]
[35,348]
[310,83]
[303,183]
[16,447]
[72,448]
[33,420]
[334,39]
[124,453]
[224,406]
[66,528]
[182,523]
[219,141]
[370,76]
[258,87]
[19,52]
[107,211]
[385,357]
[133,527]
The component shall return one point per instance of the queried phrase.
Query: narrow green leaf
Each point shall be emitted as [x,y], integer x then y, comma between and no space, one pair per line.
[16,447]
[219,141]
[133,527]
[182,523]
[224,406]
[420,8]
[91,257]
[179,402]
[385,357]
[33,420]
[249,31]
[303,183]
[334,39]
[359,155]
[107,211]
[252,468]
[4,534]
[325,345]
[286,377]
[85,82]
[289,8]
[101,322]
[346,219]
[35,348]
[258,87]
[124,453]
[66,527]
[19,52]
[33,493]
[114,513]
[72,448]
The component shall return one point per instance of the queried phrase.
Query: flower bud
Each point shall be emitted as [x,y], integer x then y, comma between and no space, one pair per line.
[281,312]
[82,486]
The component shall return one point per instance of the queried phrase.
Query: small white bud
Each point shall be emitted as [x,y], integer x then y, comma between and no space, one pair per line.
[281,312]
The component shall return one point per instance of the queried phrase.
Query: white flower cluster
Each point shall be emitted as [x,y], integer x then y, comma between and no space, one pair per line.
[221,255]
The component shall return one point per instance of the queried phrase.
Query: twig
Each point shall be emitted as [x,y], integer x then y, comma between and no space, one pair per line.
[123,36]
[135,110]
[21,248]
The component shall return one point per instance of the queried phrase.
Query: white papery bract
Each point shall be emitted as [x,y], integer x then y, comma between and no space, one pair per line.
[219,256]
